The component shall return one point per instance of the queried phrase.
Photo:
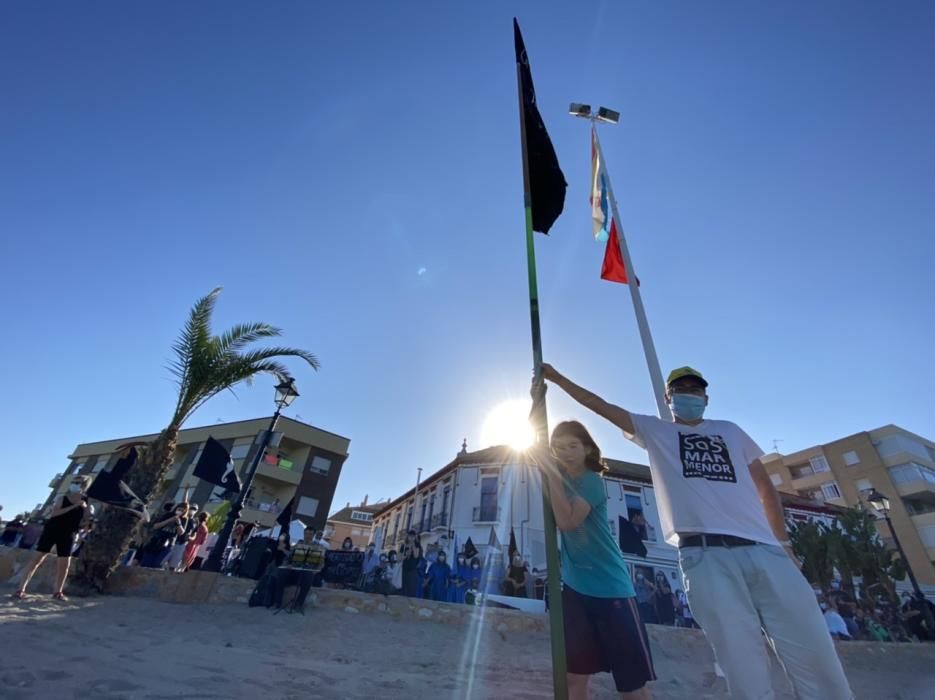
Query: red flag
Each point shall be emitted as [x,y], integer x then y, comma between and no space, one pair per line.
[613,269]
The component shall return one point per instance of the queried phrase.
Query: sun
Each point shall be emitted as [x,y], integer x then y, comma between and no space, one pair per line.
[508,424]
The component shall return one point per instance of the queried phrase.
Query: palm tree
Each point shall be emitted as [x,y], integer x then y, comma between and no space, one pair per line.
[203,365]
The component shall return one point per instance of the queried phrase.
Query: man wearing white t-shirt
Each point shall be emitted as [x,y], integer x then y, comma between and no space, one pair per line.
[718,506]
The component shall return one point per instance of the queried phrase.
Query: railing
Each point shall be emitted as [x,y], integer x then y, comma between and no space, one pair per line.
[273,508]
[425,526]
[485,515]
[440,520]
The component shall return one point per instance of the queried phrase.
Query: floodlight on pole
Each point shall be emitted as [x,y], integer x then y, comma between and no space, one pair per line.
[579,110]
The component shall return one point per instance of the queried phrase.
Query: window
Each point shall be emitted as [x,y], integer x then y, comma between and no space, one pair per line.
[100,464]
[819,464]
[851,458]
[863,485]
[776,479]
[239,451]
[360,515]
[274,439]
[320,464]
[904,473]
[488,498]
[355,532]
[444,508]
[830,490]
[307,506]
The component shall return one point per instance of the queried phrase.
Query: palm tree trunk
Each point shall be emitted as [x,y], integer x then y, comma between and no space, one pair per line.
[115,529]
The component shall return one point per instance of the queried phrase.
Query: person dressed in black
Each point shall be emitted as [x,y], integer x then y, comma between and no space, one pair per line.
[298,566]
[413,572]
[515,582]
[665,607]
[59,532]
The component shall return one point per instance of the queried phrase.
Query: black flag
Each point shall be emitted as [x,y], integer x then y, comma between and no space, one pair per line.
[630,540]
[109,487]
[513,549]
[216,466]
[546,180]
[285,517]
[470,551]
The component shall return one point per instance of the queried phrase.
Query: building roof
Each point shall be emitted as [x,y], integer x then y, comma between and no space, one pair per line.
[344,515]
[790,500]
[108,446]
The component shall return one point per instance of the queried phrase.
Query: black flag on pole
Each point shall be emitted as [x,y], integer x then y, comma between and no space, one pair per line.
[513,549]
[470,551]
[546,180]
[109,487]
[285,517]
[216,466]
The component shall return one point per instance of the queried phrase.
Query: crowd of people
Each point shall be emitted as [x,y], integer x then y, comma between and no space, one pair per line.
[878,620]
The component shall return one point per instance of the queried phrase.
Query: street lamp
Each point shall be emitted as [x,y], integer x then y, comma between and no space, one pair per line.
[881,504]
[286,393]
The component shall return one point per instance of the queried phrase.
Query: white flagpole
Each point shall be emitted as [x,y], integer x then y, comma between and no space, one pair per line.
[649,349]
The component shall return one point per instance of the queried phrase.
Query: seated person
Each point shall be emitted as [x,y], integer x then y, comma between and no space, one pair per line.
[515,582]
[301,563]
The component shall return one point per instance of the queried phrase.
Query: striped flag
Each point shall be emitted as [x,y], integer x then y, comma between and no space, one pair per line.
[600,210]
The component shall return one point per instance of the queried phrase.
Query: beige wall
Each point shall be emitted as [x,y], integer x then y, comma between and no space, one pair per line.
[872,468]
[340,530]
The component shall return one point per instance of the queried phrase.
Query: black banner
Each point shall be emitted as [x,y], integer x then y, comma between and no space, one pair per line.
[343,567]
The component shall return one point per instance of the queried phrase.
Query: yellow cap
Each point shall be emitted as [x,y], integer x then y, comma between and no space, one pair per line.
[685,372]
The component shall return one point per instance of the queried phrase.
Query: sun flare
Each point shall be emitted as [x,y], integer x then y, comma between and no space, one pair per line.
[508,424]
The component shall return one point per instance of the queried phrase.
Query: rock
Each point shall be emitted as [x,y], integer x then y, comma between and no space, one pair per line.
[425,612]
[350,609]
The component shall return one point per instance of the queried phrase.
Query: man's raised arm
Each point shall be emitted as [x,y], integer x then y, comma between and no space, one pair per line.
[616,415]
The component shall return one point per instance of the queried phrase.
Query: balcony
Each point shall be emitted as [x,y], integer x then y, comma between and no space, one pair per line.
[290,474]
[439,520]
[923,519]
[486,515]
[263,513]
[423,526]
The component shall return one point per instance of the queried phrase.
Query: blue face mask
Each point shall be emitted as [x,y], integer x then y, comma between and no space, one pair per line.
[688,407]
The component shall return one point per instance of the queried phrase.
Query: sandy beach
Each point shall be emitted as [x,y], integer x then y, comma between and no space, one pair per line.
[137,649]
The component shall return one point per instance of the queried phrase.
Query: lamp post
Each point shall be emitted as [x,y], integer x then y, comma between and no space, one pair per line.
[881,504]
[285,394]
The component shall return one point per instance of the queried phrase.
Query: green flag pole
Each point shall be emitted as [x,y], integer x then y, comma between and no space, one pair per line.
[541,426]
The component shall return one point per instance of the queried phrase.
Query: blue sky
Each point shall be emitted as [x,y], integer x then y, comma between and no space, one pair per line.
[774,163]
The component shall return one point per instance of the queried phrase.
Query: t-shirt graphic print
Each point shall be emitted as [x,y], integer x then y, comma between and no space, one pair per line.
[706,457]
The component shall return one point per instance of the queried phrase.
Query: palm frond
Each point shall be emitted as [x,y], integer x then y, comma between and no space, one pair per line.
[241,335]
[205,365]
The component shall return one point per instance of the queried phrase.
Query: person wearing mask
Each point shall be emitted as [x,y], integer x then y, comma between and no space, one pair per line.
[833,620]
[347,545]
[164,531]
[662,599]
[13,531]
[474,582]
[514,584]
[603,631]
[718,505]
[438,576]
[394,573]
[177,551]
[59,532]
[198,537]
[370,563]
[645,593]
[413,572]
[458,583]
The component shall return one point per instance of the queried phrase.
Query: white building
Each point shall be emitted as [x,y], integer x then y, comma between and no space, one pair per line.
[487,494]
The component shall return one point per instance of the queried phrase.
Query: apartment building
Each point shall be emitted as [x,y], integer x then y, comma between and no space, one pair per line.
[892,460]
[301,461]
[351,521]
